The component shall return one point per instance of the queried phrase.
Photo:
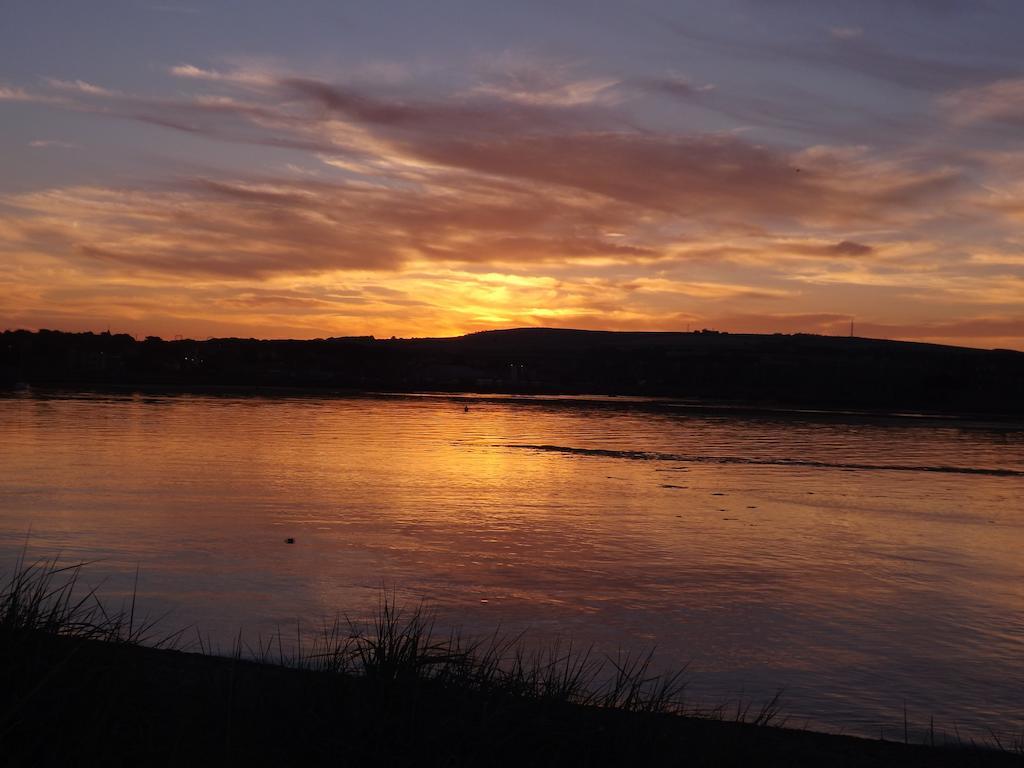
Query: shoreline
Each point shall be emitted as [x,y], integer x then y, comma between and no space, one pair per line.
[116,703]
[662,405]
[83,685]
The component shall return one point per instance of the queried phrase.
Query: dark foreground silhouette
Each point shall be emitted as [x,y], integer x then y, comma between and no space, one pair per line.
[802,370]
[79,687]
[86,702]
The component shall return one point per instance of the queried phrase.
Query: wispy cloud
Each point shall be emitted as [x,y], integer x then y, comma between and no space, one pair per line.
[1001,101]
[8,93]
[79,86]
[525,199]
[15,93]
[557,145]
[238,76]
[846,50]
[569,94]
[846,33]
[678,86]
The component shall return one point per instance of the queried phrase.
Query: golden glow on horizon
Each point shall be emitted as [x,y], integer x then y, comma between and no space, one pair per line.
[487,209]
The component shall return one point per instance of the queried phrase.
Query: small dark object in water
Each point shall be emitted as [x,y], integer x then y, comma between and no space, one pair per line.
[465,409]
[289,540]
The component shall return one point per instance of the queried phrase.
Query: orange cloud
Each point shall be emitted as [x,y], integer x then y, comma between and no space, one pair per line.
[528,199]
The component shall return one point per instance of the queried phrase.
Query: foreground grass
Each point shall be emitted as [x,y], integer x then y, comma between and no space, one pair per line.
[82,685]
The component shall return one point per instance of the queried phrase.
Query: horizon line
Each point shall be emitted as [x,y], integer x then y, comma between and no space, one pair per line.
[372,337]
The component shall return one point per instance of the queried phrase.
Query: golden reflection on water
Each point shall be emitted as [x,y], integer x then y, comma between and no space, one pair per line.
[855,589]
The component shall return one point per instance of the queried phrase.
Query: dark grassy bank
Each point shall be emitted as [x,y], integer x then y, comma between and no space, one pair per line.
[80,686]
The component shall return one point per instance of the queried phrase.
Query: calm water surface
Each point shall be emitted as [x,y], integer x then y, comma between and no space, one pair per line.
[857,565]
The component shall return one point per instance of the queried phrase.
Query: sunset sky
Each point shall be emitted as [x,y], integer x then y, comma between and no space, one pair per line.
[317,169]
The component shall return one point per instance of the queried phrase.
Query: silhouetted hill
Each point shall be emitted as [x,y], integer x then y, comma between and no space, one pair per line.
[799,370]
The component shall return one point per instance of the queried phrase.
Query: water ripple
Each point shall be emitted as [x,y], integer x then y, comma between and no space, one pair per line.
[696,459]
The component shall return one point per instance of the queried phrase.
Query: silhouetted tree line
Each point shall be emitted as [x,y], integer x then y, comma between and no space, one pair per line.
[790,370]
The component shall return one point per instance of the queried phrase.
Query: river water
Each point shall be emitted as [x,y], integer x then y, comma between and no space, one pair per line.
[860,566]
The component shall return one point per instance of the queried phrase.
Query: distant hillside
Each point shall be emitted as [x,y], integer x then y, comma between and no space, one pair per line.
[786,370]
